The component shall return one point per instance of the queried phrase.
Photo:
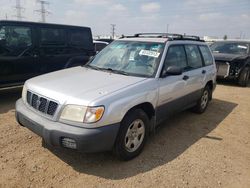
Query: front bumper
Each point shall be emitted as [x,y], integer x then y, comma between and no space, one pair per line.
[87,140]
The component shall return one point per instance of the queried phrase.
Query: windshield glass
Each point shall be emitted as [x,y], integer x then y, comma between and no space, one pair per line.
[129,58]
[230,48]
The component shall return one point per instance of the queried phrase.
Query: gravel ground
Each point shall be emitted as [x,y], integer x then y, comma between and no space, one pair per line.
[189,150]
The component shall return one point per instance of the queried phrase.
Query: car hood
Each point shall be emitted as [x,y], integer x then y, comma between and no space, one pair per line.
[79,85]
[228,57]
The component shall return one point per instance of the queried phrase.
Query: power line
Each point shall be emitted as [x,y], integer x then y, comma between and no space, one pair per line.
[43,10]
[19,10]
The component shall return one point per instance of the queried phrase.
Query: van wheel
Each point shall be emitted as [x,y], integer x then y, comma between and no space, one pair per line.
[244,77]
[202,103]
[132,135]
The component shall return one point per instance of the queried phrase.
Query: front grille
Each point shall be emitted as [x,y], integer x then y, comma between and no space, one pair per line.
[41,104]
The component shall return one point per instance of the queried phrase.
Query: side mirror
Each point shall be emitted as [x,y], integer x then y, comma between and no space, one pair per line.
[172,70]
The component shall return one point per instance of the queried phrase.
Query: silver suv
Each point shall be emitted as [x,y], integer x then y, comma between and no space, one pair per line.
[120,96]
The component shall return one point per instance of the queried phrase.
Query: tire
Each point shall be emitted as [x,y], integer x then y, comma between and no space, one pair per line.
[202,103]
[244,77]
[132,135]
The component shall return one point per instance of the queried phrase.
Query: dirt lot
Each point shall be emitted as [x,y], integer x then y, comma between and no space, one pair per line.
[189,150]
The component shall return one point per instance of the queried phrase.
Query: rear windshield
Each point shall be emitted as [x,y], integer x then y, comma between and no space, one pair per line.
[230,48]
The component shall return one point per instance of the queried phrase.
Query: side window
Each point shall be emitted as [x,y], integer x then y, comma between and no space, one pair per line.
[175,57]
[80,38]
[207,56]
[193,56]
[99,46]
[14,39]
[51,36]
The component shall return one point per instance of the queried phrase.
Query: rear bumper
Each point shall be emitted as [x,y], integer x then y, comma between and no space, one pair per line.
[87,140]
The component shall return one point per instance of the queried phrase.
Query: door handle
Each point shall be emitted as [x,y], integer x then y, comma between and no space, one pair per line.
[185,77]
[203,72]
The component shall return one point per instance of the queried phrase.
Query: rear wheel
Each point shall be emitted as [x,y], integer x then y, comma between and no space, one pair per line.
[244,77]
[202,103]
[132,135]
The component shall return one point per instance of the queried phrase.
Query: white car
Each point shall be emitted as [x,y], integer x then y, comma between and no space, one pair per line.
[118,98]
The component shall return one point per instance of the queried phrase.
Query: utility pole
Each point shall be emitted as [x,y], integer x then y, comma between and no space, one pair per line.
[113,30]
[167,27]
[43,10]
[19,9]
[241,34]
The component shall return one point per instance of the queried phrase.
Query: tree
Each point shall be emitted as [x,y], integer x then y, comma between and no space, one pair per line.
[225,37]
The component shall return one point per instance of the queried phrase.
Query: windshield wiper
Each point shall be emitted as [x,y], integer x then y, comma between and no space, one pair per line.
[106,69]
[115,71]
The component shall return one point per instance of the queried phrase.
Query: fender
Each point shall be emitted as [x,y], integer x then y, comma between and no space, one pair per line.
[121,103]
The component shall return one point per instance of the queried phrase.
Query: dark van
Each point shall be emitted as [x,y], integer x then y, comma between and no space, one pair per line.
[29,49]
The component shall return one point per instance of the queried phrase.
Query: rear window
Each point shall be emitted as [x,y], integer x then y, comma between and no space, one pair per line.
[207,56]
[51,36]
[81,38]
[193,56]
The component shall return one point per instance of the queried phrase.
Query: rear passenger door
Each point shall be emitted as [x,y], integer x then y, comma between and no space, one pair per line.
[209,65]
[195,73]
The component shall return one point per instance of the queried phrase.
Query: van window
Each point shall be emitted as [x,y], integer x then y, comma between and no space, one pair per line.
[80,38]
[14,40]
[51,36]
[207,56]
[193,56]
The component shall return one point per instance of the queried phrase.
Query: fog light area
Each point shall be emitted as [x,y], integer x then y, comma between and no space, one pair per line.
[69,143]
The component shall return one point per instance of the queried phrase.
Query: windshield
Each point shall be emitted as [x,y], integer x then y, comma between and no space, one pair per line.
[230,48]
[129,58]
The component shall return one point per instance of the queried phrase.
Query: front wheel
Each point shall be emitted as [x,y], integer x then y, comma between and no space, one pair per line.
[132,135]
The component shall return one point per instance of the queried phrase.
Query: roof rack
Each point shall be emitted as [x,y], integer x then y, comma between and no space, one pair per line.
[171,36]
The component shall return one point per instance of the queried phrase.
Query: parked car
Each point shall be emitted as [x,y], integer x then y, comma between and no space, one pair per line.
[123,94]
[232,60]
[29,49]
[99,45]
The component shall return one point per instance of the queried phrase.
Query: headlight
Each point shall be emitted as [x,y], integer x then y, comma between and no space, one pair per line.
[82,114]
[93,114]
[24,93]
[73,113]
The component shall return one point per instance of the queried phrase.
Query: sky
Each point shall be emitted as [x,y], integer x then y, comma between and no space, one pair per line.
[194,17]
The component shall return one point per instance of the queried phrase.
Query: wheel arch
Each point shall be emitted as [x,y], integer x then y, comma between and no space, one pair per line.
[147,107]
